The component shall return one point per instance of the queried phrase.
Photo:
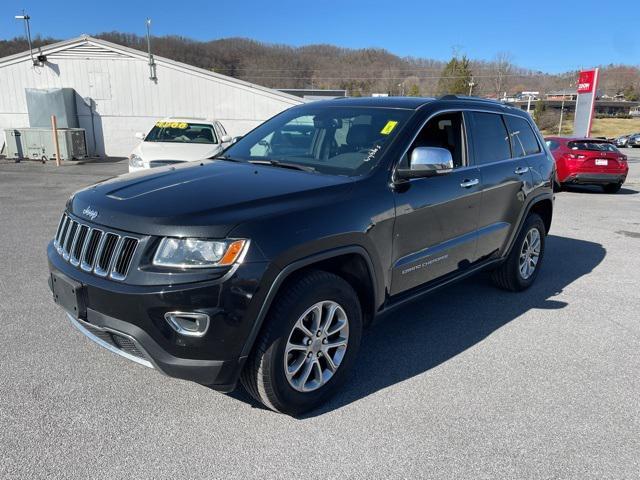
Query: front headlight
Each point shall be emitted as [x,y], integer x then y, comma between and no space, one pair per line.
[135,161]
[198,253]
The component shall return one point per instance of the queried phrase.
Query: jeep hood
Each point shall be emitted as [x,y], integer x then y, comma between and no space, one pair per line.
[205,199]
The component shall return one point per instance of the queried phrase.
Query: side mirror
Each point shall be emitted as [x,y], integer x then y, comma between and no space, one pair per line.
[226,138]
[140,135]
[235,139]
[427,162]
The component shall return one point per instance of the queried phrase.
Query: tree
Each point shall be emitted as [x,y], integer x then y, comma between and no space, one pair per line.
[414,91]
[539,110]
[501,68]
[455,77]
[631,94]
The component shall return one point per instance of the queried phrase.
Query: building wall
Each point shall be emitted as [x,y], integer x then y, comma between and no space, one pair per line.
[124,100]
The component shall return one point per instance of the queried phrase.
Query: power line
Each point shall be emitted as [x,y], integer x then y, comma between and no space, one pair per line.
[435,77]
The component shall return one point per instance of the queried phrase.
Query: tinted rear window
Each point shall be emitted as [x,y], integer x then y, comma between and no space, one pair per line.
[591,145]
[523,140]
[490,138]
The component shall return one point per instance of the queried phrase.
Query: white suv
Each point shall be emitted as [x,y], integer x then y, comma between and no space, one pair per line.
[174,140]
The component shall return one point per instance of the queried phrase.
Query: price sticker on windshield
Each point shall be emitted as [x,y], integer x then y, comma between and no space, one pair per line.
[388,128]
[178,125]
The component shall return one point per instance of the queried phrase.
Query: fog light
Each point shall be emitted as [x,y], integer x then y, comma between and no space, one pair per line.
[189,324]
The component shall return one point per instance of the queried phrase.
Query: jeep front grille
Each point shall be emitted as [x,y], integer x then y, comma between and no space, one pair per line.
[95,250]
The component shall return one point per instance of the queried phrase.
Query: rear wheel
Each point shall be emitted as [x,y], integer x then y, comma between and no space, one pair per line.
[612,187]
[520,269]
[308,344]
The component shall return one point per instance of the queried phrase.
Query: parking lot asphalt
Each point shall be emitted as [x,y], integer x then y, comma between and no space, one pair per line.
[469,382]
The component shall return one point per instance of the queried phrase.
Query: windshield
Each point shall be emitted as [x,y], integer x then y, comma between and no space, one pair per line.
[333,140]
[591,145]
[181,132]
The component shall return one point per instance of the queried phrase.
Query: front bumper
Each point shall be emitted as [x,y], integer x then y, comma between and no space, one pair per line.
[595,178]
[129,320]
[134,344]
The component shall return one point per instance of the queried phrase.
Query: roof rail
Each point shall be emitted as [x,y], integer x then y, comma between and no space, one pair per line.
[475,99]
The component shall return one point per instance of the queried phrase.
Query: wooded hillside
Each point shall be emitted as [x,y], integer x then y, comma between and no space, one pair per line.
[361,72]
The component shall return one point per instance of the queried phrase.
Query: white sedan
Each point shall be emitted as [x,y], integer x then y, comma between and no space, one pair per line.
[174,140]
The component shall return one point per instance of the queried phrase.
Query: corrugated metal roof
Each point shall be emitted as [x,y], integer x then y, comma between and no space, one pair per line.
[86,46]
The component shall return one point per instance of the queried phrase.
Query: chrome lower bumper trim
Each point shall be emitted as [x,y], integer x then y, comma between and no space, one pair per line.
[79,324]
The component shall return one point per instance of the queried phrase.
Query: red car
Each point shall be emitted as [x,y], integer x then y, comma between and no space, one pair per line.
[588,161]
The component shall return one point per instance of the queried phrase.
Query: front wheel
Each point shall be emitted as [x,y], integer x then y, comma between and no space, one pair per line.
[521,267]
[612,187]
[308,345]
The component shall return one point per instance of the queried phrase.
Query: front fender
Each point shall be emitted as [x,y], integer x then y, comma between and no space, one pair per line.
[303,262]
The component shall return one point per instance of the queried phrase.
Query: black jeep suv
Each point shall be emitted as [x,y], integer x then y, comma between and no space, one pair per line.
[264,265]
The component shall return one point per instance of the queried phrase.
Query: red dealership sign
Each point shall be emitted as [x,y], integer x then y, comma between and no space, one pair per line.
[586,81]
[585,103]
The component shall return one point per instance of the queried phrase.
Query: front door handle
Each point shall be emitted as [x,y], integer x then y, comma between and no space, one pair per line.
[469,183]
[521,170]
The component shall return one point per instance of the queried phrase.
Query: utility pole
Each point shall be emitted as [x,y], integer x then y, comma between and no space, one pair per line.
[561,114]
[152,63]
[24,17]
[471,85]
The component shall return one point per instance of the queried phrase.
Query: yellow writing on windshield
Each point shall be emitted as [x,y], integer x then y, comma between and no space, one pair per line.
[178,125]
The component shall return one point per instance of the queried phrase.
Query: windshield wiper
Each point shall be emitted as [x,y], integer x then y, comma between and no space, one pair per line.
[228,158]
[278,163]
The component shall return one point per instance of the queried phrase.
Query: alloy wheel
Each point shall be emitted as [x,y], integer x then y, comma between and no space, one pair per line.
[316,346]
[530,253]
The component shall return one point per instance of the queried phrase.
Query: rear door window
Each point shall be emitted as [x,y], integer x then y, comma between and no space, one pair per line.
[490,138]
[523,140]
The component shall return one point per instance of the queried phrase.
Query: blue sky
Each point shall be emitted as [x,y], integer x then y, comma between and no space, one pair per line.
[552,36]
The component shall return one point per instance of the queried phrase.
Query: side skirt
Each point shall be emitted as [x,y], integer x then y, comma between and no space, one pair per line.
[399,300]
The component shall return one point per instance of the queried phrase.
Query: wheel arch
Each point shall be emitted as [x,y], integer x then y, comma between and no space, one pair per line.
[353,263]
[541,205]
[544,208]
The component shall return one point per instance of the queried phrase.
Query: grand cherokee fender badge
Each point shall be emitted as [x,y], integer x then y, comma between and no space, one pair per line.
[90,212]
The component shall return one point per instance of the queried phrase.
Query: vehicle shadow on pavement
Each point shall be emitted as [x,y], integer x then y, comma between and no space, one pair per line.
[432,330]
[594,189]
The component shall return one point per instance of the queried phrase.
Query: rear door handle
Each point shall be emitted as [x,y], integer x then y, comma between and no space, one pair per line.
[469,183]
[521,170]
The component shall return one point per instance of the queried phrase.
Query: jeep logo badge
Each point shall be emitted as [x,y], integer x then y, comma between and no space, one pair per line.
[90,212]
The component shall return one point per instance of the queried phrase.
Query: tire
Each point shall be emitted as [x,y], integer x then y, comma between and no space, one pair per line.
[264,375]
[612,187]
[509,275]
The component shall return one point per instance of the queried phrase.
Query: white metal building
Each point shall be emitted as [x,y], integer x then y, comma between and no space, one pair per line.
[116,98]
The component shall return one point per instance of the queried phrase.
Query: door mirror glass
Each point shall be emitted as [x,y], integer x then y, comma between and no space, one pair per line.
[235,139]
[140,135]
[427,162]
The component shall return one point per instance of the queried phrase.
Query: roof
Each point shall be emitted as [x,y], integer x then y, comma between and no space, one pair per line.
[563,91]
[131,52]
[413,103]
[410,103]
[188,119]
